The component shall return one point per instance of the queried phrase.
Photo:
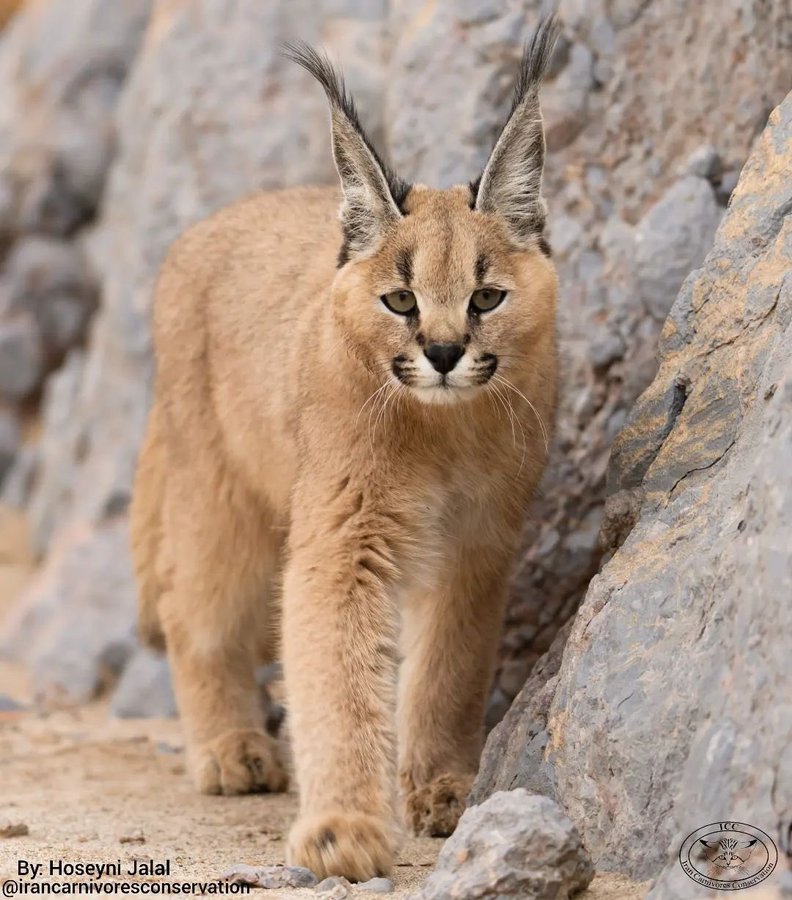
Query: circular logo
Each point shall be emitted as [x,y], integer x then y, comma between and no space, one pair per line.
[728,856]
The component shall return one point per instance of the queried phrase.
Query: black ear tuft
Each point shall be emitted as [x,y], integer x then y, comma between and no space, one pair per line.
[374,195]
[318,65]
[511,183]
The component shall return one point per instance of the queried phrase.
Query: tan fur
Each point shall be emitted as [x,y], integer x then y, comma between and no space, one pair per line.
[400,518]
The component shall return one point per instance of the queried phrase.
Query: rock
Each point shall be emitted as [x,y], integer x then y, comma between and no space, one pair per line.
[74,625]
[133,837]
[271,876]
[672,239]
[8,704]
[21,357]
[20,475]
[335,891]
[330,884]
[13,829]
[9,440]
[515,749]
[671,707]
[51,497]
[144,689]
[46,277]
[62,64]
[376,886]
[705,162]
[515,846]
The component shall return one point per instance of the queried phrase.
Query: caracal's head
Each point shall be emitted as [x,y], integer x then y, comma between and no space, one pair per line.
[444,291]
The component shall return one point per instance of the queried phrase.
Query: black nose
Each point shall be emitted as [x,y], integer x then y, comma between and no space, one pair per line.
[444,356]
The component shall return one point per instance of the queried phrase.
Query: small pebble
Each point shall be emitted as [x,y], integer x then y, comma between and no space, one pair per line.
[14,829]
[339,892]
[334,881]
[8,704]
[377,886]
[134,837]
[271,876]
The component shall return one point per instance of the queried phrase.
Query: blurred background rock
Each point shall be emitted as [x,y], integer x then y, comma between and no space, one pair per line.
[123,121]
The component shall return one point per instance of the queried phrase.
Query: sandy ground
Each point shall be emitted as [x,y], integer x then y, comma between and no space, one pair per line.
[85,784]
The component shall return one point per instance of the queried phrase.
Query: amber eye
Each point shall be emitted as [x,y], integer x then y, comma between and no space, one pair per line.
[486,299]
[403,303]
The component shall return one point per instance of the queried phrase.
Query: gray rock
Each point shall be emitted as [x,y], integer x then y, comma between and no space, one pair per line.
[73,625]
[8,704]
[18,484]
[705,162]
[330,884]
[61,67]
[515,846]
[377,886]
[46,277]
[10,437]
[673,239]
[271,876]
[671,707]
[21,357]
[145,688]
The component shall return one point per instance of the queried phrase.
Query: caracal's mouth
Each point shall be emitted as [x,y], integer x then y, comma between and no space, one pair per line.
[444,392]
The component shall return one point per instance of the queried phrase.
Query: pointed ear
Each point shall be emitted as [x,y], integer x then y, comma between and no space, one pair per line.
[373,195]
[511,184]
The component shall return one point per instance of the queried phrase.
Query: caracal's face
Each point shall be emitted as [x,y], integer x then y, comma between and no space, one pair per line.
[447,306]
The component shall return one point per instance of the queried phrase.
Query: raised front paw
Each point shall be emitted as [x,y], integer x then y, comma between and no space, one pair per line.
[435,808]
[355,845]
[239,762]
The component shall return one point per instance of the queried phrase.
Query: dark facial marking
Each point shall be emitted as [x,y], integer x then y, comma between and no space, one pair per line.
[400,366]
[482,267]
[420,339]
[544,246]
[404,266]
[486,365]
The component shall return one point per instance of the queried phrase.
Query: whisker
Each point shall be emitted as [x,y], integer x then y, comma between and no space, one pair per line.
[516,418]
[370,398]
[509,385]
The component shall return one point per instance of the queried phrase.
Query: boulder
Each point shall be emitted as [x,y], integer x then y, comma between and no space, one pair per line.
[671,708]
[515,846]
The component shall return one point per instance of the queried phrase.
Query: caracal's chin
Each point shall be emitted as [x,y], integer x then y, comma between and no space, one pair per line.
[444,394]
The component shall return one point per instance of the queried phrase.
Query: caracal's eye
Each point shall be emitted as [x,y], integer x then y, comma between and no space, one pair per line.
[401,302]
[486,299]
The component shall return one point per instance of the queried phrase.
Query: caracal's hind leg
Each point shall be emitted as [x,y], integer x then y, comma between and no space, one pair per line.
[215,616]
[450,638]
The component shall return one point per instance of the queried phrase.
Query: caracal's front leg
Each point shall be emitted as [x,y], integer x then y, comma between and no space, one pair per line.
[449,640]
[339,656]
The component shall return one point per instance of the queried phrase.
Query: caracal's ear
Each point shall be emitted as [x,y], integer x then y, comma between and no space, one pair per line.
[511,184]
[373,195]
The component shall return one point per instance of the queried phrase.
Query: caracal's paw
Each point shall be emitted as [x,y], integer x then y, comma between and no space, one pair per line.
[239,762]
[435,808]
[355,845]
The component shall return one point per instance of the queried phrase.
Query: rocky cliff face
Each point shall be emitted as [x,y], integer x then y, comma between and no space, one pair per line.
[651,108]
[62,67]
[671,707]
